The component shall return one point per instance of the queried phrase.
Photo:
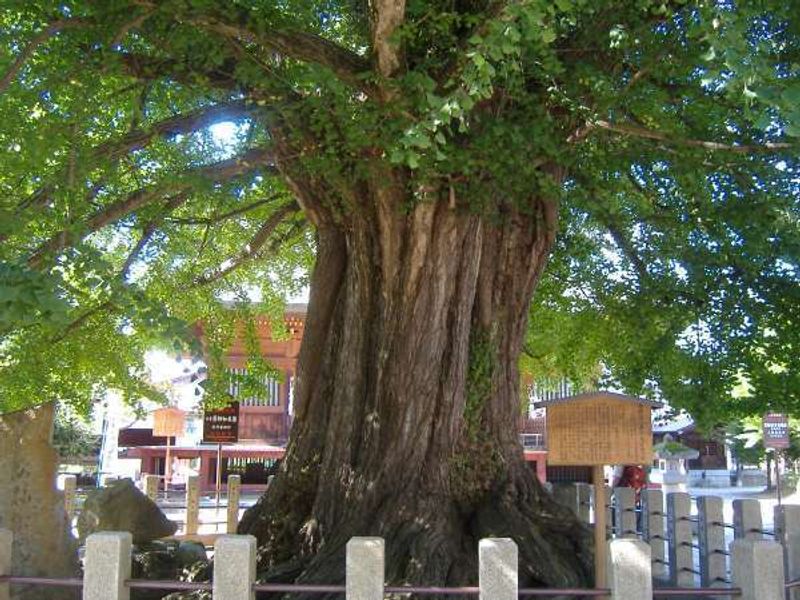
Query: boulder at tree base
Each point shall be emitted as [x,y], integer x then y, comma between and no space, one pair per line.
[122,507]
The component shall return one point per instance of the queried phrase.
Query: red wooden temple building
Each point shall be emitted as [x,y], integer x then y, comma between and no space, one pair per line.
[264,421]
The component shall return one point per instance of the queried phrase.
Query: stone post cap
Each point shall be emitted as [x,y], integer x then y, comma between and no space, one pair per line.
[366,542]
[100,536]
[235,541]
[496,543]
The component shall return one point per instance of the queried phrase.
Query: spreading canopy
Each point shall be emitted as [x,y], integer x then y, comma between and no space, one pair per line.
[160,156]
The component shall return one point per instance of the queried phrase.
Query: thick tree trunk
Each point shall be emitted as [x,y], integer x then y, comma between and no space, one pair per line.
[30,505]
[408,402]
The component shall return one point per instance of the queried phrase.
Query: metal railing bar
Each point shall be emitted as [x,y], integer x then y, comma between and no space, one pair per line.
[431,591]
[541,592]
[690,544]
[664,592]
[43,581]
[322,589]
[166,584]
[792,584]
[303,588]
[586,592]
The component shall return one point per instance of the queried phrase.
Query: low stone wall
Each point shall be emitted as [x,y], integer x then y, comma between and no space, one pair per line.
[710,478]
[752,478]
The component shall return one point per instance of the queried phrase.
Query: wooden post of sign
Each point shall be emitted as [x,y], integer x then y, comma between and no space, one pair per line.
[167,470]
[219,481]
[599,482]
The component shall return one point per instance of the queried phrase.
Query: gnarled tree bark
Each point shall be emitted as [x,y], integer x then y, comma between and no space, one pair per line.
[408,398]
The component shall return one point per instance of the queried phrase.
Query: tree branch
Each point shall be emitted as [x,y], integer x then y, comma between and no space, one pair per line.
[139,138]
[642,132]
[147,68]
[252,248]
[301,45]
[226,215]
[80,320]
[132,24]
[39,39]
[386,17]
[220,171]
[179,124]
[625,245]
[149,230]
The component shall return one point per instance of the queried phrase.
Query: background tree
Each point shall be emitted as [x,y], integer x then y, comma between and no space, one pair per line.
[73,438]
[431,156]
[746,440]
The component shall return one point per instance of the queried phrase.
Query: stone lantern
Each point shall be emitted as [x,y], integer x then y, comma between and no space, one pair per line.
[672,457]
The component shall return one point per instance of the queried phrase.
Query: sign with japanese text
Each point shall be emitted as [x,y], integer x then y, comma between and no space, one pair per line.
[168,422]
[221,426]
[599,428]
[776,431]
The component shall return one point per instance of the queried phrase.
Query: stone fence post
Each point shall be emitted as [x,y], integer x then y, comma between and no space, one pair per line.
[584,501]
[566,494]
[234,567]
[654,530]
[787,532]
[151,486]
[192,505]
[576,496]
[629,569]
[70,483]
[679,525]
[498,566]
[711,539]
[108,565]
[364,568]
[758,569]
[6,542]
[234,491]
[625,512]
[747,524]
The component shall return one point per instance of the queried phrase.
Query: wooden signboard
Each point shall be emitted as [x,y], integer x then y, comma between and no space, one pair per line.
[168,422]
[600,428]
[776,431]
[221,426]
[597,429]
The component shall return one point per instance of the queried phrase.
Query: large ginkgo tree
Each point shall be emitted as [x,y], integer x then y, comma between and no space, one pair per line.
[421,161]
